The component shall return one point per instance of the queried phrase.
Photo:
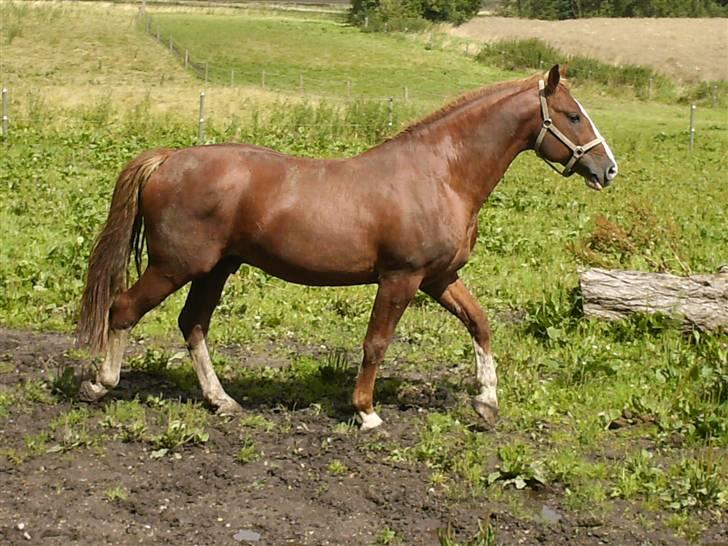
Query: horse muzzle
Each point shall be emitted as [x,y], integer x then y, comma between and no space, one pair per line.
[598,181]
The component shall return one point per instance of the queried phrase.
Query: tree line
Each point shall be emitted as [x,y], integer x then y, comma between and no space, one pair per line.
[403,15]
[576,9]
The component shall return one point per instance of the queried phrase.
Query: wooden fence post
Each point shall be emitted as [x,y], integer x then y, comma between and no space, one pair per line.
[201,123]
[6,114]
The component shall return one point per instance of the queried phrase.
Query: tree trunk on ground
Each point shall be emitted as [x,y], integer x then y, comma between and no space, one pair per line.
[699,299]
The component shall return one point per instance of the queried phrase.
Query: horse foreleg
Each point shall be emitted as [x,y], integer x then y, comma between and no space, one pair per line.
[194,322]
[455,297]
[393,297]
[128,308]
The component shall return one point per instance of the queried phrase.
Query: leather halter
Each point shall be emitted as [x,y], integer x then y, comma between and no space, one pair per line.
[577,151]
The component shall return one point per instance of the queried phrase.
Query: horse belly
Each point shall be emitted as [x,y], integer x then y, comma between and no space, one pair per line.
[314,253]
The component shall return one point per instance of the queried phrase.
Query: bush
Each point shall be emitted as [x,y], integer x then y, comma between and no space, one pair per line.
[535,54]
[403,15]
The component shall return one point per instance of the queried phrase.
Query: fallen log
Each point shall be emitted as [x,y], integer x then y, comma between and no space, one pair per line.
[701,300]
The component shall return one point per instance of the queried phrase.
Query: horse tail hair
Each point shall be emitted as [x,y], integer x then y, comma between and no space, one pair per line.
[108,270]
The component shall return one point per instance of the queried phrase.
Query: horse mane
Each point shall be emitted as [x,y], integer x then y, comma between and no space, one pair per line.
[463,100]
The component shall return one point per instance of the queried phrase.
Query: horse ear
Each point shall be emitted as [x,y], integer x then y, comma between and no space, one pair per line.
[552,80]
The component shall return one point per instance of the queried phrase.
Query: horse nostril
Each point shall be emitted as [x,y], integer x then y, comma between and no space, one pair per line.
[612,172]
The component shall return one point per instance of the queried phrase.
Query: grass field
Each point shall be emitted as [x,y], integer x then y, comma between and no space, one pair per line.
[625,422]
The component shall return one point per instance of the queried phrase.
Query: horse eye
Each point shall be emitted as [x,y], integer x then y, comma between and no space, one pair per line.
[574,117]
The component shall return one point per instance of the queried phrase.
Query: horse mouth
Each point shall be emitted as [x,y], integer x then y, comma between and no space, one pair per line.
[593,183]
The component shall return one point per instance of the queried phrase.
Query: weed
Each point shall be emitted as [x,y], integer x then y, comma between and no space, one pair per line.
[153,361]
[337,468]
[699,482]
[116,494]
[36,444]
[387,537]
[178,434]
[258,422]
[37,391]
[517,467]
[128,418]
[642,236]
[336,367]
[485,536]
[248,452]
[65,383]
[7,400]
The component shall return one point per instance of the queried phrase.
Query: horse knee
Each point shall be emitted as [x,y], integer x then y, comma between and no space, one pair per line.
[374,349]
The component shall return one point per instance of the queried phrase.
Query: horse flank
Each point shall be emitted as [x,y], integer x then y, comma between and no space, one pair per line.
[108,264]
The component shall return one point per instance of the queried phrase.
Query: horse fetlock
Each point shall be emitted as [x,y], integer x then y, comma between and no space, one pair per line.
[225,405]
[369,421]
[108,378]
[487,409]
[91,391]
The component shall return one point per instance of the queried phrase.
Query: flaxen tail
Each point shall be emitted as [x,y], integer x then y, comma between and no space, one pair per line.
[107,274]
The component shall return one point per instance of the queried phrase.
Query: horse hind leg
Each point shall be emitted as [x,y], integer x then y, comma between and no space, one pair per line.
[455,297]
[128,308]
[194,322]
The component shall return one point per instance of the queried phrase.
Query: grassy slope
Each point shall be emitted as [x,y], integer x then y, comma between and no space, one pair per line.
[561,378]
[327,53]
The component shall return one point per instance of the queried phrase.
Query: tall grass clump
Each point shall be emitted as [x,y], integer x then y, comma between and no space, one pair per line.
[533,54]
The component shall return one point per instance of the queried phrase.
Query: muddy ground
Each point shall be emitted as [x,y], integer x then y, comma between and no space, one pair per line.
[203,495]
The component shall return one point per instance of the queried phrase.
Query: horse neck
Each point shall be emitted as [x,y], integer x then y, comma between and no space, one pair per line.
[477,142]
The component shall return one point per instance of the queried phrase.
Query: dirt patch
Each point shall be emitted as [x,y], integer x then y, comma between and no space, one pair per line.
[685,49]
[314,482]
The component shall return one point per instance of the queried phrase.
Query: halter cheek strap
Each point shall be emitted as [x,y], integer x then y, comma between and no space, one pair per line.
[547,126]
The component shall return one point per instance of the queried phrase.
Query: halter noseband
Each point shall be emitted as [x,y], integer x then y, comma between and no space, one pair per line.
[577,152]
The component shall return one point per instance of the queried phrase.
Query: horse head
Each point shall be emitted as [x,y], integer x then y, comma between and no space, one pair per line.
[568,135]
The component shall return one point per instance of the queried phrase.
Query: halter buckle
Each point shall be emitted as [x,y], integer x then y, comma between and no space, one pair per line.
[578,152]
[547,123]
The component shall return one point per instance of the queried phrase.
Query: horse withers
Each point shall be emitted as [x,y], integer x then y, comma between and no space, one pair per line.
[403,215]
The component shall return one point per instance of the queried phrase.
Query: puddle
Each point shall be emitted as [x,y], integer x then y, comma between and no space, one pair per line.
[247,535]
[549,514]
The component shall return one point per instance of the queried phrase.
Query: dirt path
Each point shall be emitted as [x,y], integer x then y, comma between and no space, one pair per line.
[686,49]
[315,481]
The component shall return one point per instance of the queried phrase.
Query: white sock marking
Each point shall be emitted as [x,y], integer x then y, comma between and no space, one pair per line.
[485,373]
[369,420]
[209,383]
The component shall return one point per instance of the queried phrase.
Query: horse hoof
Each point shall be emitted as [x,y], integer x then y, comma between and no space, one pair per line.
[369,421]
[227,406]
[91,392]
[487,412]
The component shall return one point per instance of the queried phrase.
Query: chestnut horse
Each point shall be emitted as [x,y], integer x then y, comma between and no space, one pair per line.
[403,214]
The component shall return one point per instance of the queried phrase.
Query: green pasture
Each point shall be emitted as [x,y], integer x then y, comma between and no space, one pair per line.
[325,53]
[636,410]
